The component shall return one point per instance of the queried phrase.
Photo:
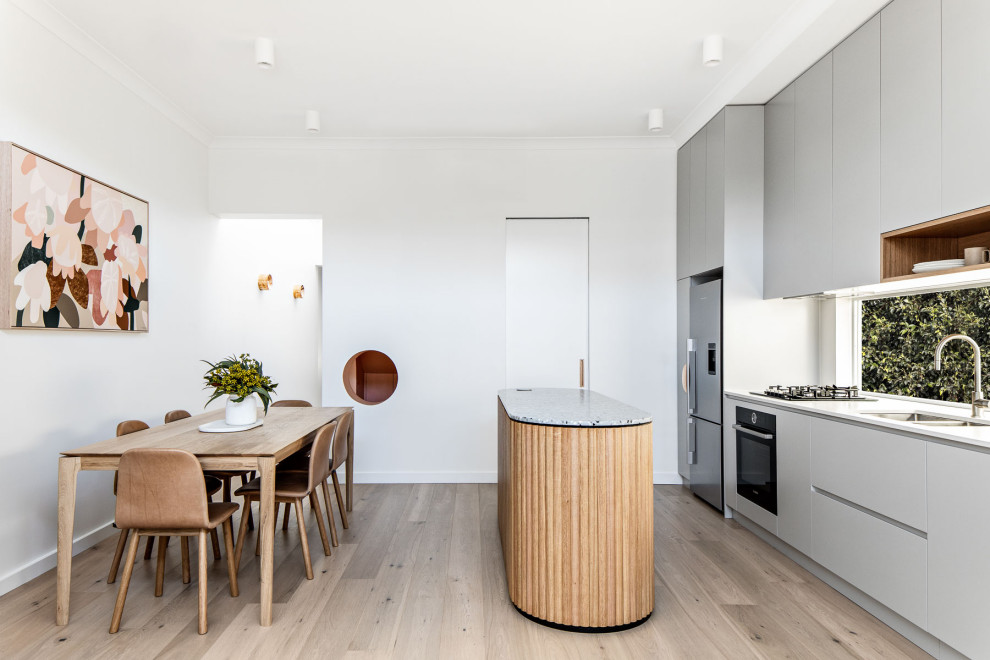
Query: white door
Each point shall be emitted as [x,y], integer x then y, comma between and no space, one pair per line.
[546,302]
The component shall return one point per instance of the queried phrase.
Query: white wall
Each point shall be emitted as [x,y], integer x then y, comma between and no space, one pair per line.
[64,389]
[414,265]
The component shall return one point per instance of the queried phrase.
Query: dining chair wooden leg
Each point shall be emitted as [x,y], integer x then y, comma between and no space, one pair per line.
[250,517]
[125,581]
[186,577]
[303,541]
[149,544]
[241,534]
[228,543]
[333,524]
[160,569]
[285,519]
[216,544]
[313,504]
[117,554]
[321,525]
[202,581]
[340,500]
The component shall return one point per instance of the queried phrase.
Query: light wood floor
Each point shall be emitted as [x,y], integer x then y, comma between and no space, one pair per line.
[419,575]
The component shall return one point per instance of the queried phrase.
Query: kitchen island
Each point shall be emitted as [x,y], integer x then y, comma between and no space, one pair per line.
[575,508]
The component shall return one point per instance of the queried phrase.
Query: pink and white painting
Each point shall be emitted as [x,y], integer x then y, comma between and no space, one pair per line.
[78,249]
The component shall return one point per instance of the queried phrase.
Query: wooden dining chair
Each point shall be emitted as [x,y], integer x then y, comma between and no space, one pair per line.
[224,476]
[162,492]
[300,459]
[338,456]
[212,485]
[291,487]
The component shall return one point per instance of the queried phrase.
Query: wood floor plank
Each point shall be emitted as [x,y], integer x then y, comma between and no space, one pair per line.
[434,587]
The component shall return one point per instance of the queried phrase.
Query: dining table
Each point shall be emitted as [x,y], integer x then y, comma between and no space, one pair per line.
[283,432]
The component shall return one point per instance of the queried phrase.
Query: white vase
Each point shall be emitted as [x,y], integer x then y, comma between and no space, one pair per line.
[240,413]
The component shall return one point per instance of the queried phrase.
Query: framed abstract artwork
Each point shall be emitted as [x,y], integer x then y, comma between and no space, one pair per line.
[75,250]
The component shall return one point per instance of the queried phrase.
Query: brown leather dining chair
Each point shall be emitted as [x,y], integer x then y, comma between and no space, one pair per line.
[291,487]
[299,460]
[162,492]
[212,487]
[224,476]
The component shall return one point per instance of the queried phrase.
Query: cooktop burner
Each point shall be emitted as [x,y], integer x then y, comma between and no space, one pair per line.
[814,393]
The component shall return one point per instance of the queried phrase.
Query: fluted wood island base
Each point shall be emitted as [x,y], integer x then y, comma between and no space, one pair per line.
[575,508]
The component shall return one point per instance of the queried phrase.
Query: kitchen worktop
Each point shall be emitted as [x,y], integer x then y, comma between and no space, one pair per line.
[853,411]
[569,407]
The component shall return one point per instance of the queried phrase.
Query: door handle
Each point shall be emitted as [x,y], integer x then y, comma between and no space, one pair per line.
[580,373]
[692,368]
[684,378]
[692,454]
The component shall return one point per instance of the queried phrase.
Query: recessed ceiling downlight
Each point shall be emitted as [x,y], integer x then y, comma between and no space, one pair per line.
[264,52]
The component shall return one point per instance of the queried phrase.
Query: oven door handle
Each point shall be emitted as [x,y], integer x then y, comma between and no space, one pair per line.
[743,429]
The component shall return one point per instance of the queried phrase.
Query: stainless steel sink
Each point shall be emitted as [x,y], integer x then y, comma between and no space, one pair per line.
[928,419]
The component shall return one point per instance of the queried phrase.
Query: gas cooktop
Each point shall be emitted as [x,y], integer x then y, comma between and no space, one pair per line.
[814,393]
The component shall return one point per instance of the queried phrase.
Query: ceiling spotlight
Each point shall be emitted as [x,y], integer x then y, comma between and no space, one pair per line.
[656,119]
[264,52]
[313,121]
[711,50]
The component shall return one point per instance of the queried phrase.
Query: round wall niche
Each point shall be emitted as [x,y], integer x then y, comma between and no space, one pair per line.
[370,377]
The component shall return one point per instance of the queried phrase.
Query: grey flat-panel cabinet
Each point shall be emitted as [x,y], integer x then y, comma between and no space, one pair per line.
[812,252]
[683,211]
[699,193]
[910,113]
[683,329]
[794,479]
[856,158]
[715,187]
[780,240]
[965,99]
[958,539]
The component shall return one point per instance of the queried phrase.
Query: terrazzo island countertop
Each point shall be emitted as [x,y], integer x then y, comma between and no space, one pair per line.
[569,407]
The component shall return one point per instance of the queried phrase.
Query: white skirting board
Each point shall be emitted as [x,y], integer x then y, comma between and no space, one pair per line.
[46,562]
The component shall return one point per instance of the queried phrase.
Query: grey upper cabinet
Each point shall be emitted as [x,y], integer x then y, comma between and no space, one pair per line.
[715,187]
[683,211]
[780,241]
[910,113]
[856,158]
[699,193]
[813,180]
[965,99]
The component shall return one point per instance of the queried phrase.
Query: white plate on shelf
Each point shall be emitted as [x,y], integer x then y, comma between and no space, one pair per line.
[220,426]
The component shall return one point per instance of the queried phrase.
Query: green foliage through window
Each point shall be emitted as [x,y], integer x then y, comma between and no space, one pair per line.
[899,338]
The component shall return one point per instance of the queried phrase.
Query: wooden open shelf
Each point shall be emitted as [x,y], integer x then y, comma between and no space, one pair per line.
[945,238]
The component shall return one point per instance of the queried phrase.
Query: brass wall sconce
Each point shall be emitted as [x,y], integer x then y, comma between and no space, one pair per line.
[297,291]
[264,282]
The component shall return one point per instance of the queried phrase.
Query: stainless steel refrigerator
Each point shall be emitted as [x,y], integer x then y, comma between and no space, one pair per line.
[704,399]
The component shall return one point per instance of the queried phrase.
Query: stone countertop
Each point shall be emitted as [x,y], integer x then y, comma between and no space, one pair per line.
[853,411]
[569,407]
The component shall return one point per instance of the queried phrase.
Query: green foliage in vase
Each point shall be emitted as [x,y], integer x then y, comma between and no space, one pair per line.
[239,377]
[899,338]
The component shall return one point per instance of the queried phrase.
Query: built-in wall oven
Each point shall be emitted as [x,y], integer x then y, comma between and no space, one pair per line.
[756,457]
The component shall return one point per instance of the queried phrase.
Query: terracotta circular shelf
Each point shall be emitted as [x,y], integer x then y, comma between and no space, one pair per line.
[370,377]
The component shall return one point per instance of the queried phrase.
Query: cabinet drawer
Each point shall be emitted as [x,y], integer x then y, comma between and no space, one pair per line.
[882,560]
[879,471]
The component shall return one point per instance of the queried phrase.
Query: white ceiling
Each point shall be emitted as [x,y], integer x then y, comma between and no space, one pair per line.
[455,68]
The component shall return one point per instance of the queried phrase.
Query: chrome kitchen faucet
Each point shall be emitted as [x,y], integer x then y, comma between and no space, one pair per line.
[978,401]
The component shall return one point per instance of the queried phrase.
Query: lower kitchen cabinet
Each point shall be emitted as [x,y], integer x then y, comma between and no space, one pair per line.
[794,480]
[879,558]
[959,548]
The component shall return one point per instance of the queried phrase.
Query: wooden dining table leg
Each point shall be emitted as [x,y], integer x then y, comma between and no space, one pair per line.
[68,470]
[266,528]
[349,467]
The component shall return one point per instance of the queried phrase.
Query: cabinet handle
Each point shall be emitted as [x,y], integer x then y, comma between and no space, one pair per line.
[684,378]
[580,373]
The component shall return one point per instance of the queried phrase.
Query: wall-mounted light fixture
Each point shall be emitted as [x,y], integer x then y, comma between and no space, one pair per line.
[298,290]
[264,282]
[264,52]
[313,121]
[656,119]
[711,50]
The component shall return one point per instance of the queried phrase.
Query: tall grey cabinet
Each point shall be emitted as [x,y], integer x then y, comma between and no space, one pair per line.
[965,99]
[780,236]
[699,193]
[856,158]
[683,212]
[910,113]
